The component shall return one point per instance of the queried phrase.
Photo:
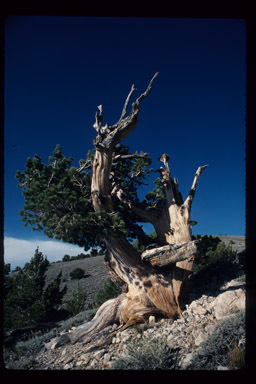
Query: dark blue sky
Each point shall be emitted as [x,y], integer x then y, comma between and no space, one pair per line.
[58,69]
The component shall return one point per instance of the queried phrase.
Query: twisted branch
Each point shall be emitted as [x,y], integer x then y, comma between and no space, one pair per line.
[127,101]
[145,94]
[191,195]
[108,136]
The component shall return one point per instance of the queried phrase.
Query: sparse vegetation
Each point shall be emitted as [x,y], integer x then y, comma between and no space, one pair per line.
[236,357]
[216,265]
[21,355]
[219,348]
[26,302]
[109,291]
[77,302]
[77,273]
[147,354]
[7,268]
[213,252]
[94,252]
[66,258]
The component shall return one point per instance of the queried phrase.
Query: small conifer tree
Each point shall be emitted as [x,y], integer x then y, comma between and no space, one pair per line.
[26,300]
[77,302]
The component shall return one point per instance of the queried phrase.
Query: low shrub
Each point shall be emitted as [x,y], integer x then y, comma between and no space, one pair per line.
[147,354]
[109,291]
[77,273]
[218,349]
[236,357]
[77,302]
[213,252]
[219,264]
[21,355]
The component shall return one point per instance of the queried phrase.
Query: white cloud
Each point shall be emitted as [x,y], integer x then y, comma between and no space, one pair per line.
[19,251]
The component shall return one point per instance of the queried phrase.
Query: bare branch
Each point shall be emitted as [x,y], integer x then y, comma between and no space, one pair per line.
[191,194]
[145,94]
[165,159]
[109,136]
[145,212]
[131,156]
[59,223]
[87,164]
[53,165]
[98,119]
[127,101]
[23,184]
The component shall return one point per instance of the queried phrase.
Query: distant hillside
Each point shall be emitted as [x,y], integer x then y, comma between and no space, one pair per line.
[96,275]
[239,242]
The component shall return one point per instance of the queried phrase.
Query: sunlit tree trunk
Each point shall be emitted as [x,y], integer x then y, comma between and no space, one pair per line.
[154,282]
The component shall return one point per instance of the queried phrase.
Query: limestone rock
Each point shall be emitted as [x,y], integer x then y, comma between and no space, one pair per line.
[85,358]
[151,319]
[185,334]
[228,303]
[185,361]
[200,338]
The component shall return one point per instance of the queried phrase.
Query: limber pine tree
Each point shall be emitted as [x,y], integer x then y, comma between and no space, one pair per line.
[59,199]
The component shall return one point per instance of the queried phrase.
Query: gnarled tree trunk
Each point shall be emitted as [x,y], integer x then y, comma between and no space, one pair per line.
[154,282]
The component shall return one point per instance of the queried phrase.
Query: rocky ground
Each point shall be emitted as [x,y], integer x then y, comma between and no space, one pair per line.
[217,298]
[185,335]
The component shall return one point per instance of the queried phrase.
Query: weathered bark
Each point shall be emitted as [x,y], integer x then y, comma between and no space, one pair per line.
[171,222]
[170,254]
[153,282]
[178,221]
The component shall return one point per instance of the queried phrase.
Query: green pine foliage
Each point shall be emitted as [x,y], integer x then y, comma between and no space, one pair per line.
[58,197]
[141,247]
[77,302]
[65,258]
[7,269]
[207,243]
[94,252]
[157,194]
[131,172]
[213,253]
[26,302]
[52,297]
[109,291]
[77,273]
